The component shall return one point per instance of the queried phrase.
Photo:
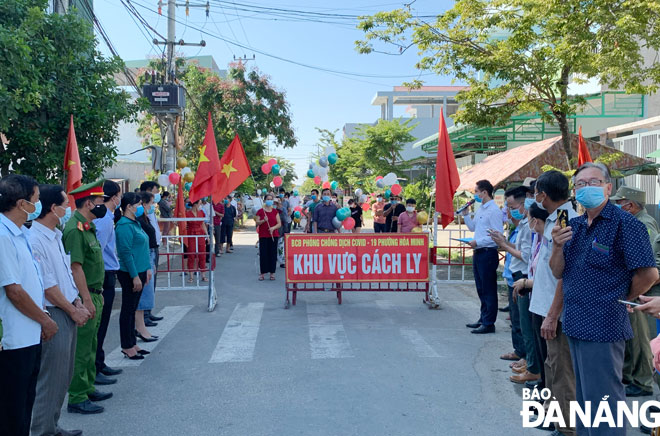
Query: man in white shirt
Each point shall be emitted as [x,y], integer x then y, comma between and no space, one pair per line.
[551,193]
[64,306]
[294,202]
[154,188]
[24,321]
[487,219]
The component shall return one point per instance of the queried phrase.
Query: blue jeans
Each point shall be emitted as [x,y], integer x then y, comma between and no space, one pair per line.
[148,297]
[485,262]
[532,352]
[380,228]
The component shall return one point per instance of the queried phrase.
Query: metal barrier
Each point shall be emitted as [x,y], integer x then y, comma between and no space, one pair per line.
[172,273]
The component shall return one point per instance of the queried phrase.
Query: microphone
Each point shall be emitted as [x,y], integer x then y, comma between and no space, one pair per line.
[465,206]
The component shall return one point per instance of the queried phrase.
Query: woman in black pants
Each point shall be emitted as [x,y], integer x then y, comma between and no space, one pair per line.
[268,223]
[134,270]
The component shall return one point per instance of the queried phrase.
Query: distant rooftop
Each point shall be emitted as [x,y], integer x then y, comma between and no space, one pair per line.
[402,95]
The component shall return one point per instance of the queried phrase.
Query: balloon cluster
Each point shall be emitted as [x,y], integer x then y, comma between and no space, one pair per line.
[319,171]
[343,219]
[390,181]
[272,167]
[173,177]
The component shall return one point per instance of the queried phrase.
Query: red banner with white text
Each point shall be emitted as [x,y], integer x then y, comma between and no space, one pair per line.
[336,258]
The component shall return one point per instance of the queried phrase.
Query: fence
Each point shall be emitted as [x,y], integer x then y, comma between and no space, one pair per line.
[178,249]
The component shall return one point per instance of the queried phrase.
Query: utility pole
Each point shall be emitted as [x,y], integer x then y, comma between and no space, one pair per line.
[170,78]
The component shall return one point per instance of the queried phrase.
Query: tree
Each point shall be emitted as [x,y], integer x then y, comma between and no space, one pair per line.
[243,103]
[518,56]
[52,69]
[290,172]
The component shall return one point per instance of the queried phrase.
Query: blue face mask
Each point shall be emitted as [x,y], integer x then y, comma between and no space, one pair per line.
[139,211]
[269,203]
[326,198]
[226,202]
[477,199]
[156,198]
[66,217]
[188,206]
[529,202]
[37,211]
[281,196]
[620,205]
[152,210]
[590,196]
[394,202]
[313,197]
[516,215]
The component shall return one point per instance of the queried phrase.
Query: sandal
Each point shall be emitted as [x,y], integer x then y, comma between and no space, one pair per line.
[510,356]
[272,277]
[204,279]
[190,280]
[261,278]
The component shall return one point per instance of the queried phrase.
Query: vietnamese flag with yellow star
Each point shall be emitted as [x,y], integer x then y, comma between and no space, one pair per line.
[72,168]
[208,168]
[235,169]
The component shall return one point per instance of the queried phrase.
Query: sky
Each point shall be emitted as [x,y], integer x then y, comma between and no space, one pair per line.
[317,98]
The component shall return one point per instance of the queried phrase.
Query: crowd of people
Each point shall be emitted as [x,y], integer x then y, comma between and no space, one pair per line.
[569,279]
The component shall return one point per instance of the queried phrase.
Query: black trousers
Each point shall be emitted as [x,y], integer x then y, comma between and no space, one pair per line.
[18,383]
[268,255]
[226,234]
[537,321]
[108,298]
[129,304]
[484,265]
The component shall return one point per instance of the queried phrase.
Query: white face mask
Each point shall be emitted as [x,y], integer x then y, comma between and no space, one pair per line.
[410,208]
[380,199]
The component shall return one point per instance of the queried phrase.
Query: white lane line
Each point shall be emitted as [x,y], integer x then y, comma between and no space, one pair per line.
[114,312]
[327,336]
[422,348]
[239,337]
[171,316]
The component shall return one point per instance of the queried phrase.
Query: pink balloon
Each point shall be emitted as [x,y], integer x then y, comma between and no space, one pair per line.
[277,181]
[317,180]
[265,168]
[298,208]
[326,185]
[349,223]
[175,178]
[272,162]
[365,207]
[379,177]
[396,189]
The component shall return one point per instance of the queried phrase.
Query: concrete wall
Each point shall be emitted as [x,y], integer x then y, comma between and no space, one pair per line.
[133,172]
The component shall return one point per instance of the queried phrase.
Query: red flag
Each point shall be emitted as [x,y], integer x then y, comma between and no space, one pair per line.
[446,176]
[72,168]
[583,151]
[235,169]
[208,168]
[180,208]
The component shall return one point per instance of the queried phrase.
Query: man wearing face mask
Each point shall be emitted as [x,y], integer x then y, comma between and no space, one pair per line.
[324,213]
[603,256]
[82,245]
[105,232]
[25,322]
[378,212]
[638,361]
[64,306]
[311,205]
[487,219]
[154,188]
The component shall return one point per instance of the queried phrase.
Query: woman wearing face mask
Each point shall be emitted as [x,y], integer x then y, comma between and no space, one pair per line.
[408,219]
[356,214]
[134,271]
[147,298]
[197,233]
[268,222]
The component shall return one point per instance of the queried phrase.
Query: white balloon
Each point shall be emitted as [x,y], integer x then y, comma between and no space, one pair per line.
[169,172]
[380,183]
[324,171]
[363,198]
[324,178]
[311,165]
[317,170]
[163,180]
[358,192]
[185,171]
[390,179]
[323,161]
[283,172]
[272,185]
[329,150]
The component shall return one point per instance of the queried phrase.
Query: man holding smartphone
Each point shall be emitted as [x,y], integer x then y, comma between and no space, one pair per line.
[487,220]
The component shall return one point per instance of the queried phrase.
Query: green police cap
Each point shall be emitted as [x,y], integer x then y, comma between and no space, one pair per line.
[630,193]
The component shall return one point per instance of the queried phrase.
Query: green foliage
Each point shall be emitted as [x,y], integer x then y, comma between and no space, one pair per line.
[52,69]
[307,186]
[607,159]
[421,192]
[517,56]
[244,103]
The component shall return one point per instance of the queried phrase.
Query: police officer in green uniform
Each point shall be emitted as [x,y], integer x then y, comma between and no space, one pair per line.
[81,244]
[638,363]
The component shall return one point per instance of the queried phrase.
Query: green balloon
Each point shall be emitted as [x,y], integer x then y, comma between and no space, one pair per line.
[332,158]
[310,174]
[264,191]
[334,185]
[275,169]
[388,193]
[343,213]
[296,214]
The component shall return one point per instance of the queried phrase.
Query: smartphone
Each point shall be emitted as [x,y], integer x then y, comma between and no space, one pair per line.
[630,303]
[562,218]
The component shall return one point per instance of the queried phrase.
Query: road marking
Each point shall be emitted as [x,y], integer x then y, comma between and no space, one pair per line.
[422,348]
[327,336]
[114,312]
[239,337]
[171,316]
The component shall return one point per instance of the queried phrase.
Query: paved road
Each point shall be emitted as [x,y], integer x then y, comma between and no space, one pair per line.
[380,364]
